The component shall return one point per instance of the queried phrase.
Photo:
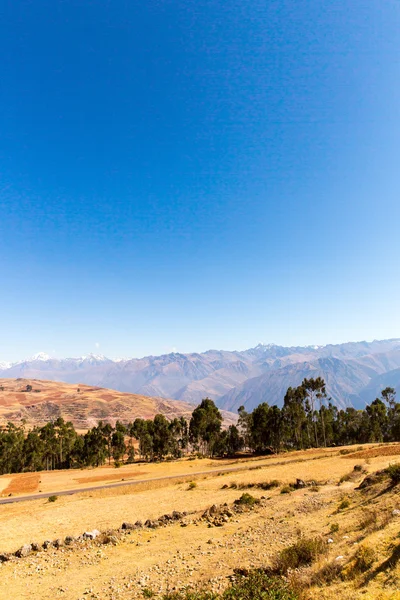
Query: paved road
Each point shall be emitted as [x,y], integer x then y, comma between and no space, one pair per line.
[12,499]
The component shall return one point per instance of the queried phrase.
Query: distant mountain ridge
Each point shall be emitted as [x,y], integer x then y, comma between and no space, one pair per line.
[353,371]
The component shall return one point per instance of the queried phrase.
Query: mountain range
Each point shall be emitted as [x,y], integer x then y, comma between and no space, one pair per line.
[355,373]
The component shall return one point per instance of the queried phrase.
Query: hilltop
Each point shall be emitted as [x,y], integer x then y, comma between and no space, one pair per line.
[84,405]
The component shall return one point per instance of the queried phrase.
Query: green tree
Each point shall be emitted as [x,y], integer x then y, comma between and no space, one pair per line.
[205,426]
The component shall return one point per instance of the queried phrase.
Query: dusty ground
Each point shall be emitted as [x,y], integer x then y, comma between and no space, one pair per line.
[173,556]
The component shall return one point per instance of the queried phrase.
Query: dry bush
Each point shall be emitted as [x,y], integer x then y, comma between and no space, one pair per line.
[326,575]
[302,553]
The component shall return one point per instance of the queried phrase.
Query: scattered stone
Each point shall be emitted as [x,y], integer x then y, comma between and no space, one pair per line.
[24,551]
[126,525]
[4,557]
[36,547]
[300,484]
[396,512]
[69,540]
[47,544]
[58,543]
[91,535]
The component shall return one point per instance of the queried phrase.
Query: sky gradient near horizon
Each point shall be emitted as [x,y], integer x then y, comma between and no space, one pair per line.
[193,175]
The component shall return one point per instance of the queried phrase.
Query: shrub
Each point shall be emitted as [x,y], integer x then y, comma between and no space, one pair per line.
[334,527]
[364,559]
[344,504]
[269,485]
[303,553]
[287,489]
[329,573]
[52,498]
[257,584]
[394,473]
[192,485]
[148,593]
[246,500]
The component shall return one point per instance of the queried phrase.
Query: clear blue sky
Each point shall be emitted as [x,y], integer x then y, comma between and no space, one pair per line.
[197,174]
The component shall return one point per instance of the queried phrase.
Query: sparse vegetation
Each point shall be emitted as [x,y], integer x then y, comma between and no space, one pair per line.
[334,528]
[345,503]
[246,500]
[52,498]
[287,489]
[257,584]
[192,485]
[304,552]
[394,473]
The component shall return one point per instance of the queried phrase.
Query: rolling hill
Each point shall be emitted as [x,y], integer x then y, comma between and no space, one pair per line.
[84,405]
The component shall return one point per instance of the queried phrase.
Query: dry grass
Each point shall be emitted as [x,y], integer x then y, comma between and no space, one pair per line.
[111,477]
[23,483]
[384,450]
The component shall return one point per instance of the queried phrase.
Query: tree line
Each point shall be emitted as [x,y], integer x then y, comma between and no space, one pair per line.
[307,419]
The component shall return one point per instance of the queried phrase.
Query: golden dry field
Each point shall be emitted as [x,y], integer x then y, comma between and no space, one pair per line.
[193,549]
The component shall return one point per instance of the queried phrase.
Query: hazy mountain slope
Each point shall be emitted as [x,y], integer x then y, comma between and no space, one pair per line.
[253,375]
[378,383]
[345,379]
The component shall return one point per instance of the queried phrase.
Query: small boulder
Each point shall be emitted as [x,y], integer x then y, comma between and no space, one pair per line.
[4,557]
[69,540]
[36,547]
[126,525]
[47,544]
[24,551]
[300,484]
[91,535]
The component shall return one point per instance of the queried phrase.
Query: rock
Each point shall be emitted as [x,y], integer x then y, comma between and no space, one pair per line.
[396,512]
[69,540]
[47,544]
[339,558]
[36,547]
[4,557]
[300,484]
[138,524]
[151,524]
[213,510]
[330,541]
[58,543]
[91,535]
[109,539]
[24,551]
[126,525]
[177,515]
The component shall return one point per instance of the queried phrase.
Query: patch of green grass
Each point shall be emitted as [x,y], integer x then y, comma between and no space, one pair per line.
[246,500]
[192,485]
[52,498]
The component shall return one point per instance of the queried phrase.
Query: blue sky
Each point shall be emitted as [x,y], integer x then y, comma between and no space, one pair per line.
[197,174]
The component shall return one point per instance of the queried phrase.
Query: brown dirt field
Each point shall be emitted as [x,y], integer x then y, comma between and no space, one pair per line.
[374,452]
[116,477]
[23,483]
